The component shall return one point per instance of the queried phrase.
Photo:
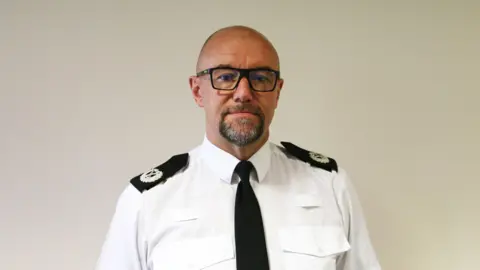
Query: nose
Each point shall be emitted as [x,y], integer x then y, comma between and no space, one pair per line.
[243,93]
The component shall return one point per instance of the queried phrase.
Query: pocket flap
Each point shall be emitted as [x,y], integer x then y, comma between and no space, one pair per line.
[307,200]
[182,214]
[320,241]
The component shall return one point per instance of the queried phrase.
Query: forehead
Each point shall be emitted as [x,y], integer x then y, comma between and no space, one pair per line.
[239,51]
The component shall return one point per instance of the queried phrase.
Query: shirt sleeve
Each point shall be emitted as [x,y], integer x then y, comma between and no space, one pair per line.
[124,248]
[361,255]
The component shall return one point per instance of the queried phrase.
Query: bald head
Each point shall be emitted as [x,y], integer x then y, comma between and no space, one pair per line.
[241,41]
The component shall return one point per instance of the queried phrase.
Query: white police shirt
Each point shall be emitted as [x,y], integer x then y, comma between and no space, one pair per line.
[312,218]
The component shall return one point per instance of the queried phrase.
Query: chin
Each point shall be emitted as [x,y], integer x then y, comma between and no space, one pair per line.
[241,132]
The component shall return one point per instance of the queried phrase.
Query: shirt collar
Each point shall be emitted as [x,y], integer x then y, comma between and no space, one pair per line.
[223,163]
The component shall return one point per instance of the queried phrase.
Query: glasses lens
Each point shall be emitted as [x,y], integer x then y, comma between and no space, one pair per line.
[263,80]
[260,80]
[225,78]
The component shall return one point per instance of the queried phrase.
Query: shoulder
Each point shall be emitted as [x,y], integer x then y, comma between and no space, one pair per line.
[310,157]
[161,173]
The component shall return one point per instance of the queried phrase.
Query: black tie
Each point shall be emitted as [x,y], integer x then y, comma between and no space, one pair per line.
[249,233]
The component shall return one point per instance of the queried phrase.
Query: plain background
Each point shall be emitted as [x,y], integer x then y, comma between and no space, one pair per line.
[96,92]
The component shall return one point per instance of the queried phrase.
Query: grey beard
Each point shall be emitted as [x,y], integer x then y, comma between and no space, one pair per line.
[240,133]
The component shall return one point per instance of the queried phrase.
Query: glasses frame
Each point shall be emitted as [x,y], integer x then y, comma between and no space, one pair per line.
[244,72]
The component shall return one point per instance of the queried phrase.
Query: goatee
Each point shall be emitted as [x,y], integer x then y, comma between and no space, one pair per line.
[242,131]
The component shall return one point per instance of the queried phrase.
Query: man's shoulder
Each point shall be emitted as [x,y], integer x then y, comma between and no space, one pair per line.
[295,152]
[161,173]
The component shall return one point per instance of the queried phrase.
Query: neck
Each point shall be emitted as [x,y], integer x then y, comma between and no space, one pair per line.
[240,152]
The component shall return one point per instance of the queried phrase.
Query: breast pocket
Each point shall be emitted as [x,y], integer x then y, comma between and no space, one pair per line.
[210,252]
[312,246]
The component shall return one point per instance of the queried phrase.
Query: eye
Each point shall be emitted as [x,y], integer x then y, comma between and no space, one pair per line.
[226,77]
[260,78]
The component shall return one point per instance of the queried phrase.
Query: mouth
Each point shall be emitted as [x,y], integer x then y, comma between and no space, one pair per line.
[243,114]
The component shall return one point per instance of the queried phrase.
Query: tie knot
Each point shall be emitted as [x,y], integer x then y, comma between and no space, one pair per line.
[243,169]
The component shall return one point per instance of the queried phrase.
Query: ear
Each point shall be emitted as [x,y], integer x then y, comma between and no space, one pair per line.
[279,89]
[195,87]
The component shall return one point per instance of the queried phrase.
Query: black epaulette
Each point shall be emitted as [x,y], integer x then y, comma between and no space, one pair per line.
[161,173]
[312,158]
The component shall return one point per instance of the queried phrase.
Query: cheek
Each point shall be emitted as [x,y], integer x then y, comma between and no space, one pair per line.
[216,104]
[268,105]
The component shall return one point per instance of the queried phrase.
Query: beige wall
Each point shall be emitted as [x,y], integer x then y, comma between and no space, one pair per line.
[94,93]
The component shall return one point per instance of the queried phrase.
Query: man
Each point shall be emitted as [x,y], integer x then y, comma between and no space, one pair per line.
[238,201]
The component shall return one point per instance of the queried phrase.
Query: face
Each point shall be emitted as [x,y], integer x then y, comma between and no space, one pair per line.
[240,116]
